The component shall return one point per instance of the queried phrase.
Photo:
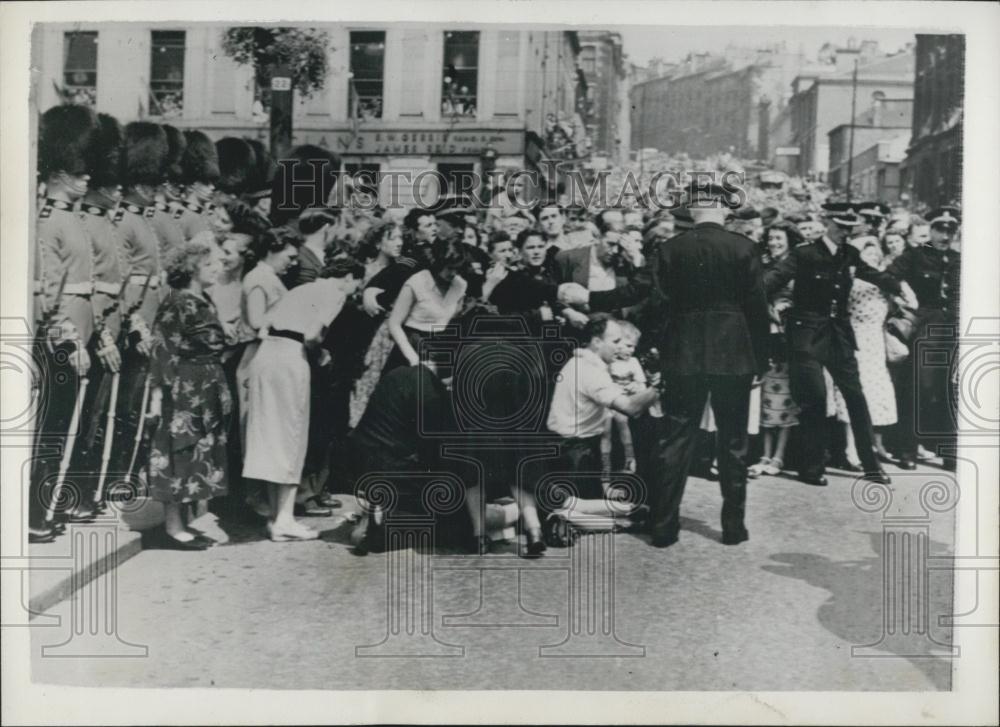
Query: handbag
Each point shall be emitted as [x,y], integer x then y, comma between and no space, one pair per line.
[895,349]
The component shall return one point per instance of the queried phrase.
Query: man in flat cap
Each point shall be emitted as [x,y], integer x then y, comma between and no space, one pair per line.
[933,271]
[63,310]
[820,336]
[714,343]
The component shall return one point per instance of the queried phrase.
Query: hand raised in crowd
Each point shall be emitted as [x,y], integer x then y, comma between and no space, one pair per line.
[573,294]
[369,301]
[907,298]
[496,273]
[574,317]
[230,330]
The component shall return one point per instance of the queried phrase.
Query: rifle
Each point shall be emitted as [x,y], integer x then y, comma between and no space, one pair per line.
[145,388]
[109,424]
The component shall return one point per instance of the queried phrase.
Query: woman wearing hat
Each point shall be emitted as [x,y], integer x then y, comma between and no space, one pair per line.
[278,407]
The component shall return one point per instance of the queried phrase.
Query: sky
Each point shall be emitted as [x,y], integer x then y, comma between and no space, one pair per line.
[673,43]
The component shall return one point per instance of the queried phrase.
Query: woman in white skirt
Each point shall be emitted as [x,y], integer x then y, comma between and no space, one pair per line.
[277,430]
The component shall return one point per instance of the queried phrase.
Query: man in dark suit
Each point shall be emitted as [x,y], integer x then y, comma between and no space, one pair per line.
[714,343]
[611,275]
[820,336]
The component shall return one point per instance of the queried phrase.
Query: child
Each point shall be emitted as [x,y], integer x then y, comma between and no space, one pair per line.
[626,371]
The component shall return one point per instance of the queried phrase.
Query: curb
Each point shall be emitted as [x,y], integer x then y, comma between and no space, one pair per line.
[83,553]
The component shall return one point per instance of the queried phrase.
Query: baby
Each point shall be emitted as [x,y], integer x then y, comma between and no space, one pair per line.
[626,371]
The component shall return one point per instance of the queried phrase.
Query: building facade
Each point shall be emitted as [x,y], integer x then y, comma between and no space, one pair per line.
[402,99]
[711,104]
[875,172]
[820,103]
[602,62]
[932,170]
[886,120]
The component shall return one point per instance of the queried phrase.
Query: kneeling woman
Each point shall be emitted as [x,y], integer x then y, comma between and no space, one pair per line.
[188,391]
[277,428]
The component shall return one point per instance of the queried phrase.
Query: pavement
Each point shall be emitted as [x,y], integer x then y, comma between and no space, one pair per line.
[784,611]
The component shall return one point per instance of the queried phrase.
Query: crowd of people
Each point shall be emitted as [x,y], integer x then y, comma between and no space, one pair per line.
[202,342]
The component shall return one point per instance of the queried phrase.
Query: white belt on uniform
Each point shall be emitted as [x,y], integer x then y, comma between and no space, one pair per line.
[112,289]
[83,289]
[140,280]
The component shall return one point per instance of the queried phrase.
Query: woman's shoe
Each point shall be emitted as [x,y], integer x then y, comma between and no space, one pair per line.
[885,458]
[165,541]
[923,455]
[204,538]
[773,467]
[290,533]
[535,545]
[756,470]
[312,508]
[327,500]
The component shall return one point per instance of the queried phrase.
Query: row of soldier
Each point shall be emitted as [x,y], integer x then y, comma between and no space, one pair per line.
[115,199]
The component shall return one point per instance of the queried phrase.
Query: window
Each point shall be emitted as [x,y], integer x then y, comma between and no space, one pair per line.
[367,72]
[588,63]
[166,73]
[461,73]
[457,178]
[80,68]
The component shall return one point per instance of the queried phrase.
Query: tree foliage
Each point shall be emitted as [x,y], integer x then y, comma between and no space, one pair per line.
[303,50]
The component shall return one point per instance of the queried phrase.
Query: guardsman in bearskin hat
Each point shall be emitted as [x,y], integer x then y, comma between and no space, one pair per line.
[199,173]
[144,162]
[99,207]
[168,209]
[237,171]
[933,270]
[64,316]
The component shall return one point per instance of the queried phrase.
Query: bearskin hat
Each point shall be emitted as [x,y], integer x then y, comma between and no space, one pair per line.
[307,162]
[200,162]
[237,164]
[176,146]
[104,156]
[64,134]
[145,153]
[263,173]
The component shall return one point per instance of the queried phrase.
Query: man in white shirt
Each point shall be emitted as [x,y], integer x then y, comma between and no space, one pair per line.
[585,391]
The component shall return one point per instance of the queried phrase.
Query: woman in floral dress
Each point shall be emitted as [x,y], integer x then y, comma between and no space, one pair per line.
[188,392]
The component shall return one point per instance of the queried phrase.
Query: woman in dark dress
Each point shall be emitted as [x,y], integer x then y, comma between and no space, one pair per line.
[189,394]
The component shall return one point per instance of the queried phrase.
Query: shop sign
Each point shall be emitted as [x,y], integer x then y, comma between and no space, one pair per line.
[414,142]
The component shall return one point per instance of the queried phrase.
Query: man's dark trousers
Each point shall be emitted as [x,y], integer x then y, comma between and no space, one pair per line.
[684,400]
[833,350]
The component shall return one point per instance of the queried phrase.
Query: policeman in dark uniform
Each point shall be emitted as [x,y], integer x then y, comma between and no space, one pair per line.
[933,271]
[875,216]
[715,342]
[63,313]
[820,336]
